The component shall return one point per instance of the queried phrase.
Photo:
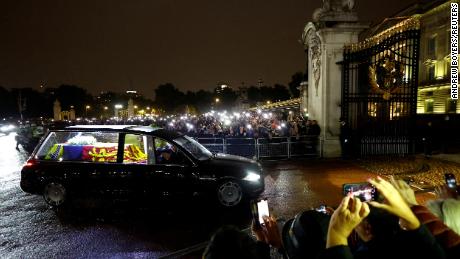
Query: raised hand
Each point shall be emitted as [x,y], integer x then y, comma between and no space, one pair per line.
[344,219]
[406,192]
[395,204]
[272,233]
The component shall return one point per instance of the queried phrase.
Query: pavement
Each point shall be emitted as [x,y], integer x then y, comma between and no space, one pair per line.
[448,157]
[297,185]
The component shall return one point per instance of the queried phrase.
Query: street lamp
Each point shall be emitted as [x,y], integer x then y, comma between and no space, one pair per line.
[217,100]
[117,107]
[86,110]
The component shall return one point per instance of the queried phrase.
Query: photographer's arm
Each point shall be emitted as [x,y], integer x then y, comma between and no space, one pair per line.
[344,219]
[395,204]
[446,237]
[416,236]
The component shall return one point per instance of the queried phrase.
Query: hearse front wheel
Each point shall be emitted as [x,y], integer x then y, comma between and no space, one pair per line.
[229,193]
[55,194]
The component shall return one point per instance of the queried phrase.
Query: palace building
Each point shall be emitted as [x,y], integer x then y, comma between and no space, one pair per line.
[433,93]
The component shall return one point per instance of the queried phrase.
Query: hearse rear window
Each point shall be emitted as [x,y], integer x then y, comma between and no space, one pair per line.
[80,146]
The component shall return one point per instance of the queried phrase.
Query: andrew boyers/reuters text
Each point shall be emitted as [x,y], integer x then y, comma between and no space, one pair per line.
[454,51]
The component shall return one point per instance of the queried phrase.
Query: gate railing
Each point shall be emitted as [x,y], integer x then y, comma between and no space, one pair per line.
[385,145]
[379,91]
[260,148]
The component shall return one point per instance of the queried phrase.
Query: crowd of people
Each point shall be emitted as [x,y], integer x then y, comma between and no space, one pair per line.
[395,226]
[255,124]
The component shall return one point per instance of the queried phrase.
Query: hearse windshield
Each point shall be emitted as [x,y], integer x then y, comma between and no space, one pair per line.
[196,149]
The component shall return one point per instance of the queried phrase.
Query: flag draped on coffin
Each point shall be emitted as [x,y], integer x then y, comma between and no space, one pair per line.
[99,154]
[72,152]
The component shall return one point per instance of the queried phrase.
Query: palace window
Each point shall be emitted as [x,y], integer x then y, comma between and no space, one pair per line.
[432,46]
[451,106]
[429,105]
[431,73]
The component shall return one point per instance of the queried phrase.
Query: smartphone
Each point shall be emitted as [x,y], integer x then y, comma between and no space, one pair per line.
[451,182]
[321,209]
[364,191]
[259,210]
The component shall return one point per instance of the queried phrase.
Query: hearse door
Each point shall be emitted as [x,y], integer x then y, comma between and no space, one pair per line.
[116,179]
[140,175]
[177,171]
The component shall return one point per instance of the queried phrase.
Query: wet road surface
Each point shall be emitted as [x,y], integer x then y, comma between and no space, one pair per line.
[30,229]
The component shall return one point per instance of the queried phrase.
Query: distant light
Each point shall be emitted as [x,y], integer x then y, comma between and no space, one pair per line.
[217,100]
[118,106]
[227,122]
[268,102]
[265,116]
[279,127]
[87,106]
[249,126]
[106,108]
[290,112]
[283,124]
[135,106]
[259,111]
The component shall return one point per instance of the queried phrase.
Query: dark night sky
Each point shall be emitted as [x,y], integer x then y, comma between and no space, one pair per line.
[113,44]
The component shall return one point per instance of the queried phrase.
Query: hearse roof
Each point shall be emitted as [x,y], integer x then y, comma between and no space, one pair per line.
[160,132]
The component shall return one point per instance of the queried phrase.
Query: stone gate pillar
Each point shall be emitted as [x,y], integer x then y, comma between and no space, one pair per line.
[334,26]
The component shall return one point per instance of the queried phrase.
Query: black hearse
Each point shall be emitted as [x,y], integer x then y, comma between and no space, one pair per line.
[119,160]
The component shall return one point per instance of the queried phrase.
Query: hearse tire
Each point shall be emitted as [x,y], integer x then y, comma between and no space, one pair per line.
[55,194]
[229,193]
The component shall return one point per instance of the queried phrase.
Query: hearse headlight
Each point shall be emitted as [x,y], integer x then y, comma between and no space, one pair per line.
[7,128]
[252,176]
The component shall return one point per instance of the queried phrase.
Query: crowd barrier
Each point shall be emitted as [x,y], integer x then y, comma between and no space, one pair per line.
[260,148]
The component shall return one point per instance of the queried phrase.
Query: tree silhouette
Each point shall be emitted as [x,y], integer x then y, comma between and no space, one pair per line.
[296,79]
[168,97]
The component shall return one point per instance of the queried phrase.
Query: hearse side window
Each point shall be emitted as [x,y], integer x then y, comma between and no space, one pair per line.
[138,149]
[80,146]
[168,153]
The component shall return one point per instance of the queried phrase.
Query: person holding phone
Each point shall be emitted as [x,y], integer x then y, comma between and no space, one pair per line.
[264,226]
[413,240]
[446,229]
[451,184]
